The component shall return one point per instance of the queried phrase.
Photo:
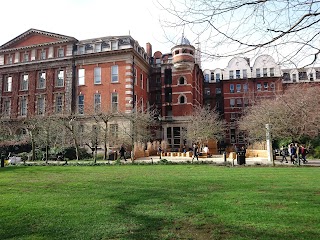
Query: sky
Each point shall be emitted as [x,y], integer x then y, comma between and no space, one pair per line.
[85,19]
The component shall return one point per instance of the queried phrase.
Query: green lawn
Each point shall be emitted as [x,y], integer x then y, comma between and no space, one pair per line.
[159,202]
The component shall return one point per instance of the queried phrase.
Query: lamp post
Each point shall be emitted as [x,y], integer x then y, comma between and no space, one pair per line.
[269,143]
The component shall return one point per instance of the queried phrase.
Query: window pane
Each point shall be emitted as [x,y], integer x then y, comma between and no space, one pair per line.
[97,75]
[81,76]
[81,104]
[114,73]
[60,79]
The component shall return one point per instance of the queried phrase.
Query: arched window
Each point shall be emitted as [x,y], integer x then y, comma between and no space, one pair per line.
[181,80]
[182,99]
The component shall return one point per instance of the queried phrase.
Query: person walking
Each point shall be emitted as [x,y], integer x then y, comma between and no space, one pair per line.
[195,152]
[283,152]
[122,152]
[293,151]
[160,151]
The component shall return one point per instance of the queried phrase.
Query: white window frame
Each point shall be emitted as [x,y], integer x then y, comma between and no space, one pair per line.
[238,87]
[41,107]
[24,82]
[114,74]
[41,83]
[23,106]
[60,78]
[7,107]
[81,76]
[114,104]
[97,75]
[60,52]
[231,88]
[58,103]
[8,84]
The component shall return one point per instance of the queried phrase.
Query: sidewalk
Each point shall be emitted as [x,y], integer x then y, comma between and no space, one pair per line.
[218,159]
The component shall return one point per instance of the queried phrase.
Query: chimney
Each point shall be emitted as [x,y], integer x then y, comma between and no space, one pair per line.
[149,50]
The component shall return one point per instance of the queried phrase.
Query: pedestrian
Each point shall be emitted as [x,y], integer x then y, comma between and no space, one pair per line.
[160,151]
[122,152]
[283,153]
[206,150]
[195,152]
[303,151]
[293,154]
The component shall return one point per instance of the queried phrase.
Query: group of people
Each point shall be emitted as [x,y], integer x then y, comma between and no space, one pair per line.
[295,152]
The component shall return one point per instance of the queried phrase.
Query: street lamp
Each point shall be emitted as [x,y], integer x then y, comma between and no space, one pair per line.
[269,142]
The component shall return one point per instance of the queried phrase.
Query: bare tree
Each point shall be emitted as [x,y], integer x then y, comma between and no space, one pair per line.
[288,30]
[205,124]
[137,128]
[291,115]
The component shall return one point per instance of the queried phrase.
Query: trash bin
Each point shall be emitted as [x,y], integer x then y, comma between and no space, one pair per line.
[241,157]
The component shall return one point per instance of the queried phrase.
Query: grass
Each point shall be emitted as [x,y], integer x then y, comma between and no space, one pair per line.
[159,202]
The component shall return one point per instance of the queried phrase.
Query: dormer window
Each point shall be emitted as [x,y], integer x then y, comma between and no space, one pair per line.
[43,55]
[114,45]
[26,57]
[81,50]
[176,52]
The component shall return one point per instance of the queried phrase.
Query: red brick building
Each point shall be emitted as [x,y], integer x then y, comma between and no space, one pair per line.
[36,72]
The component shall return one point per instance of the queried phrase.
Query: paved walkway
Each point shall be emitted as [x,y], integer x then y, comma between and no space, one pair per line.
[218,159]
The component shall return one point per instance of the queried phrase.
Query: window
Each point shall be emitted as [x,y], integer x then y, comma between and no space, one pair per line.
[286,77]
[58,104]
[294,77]
[231,88]
[10,59]
[97,75]
[206,78]
[114,130]
[232,102]
[81,104]
[244,72]
[218,90]
[259,86]
[271,72]
[97,102]
[182,99]
[218,77]
[265,72]
[238,87]
[6,107]
[212,76]
[181,80]
[245,87]
[239,102]
[231,74]
[168,76]
[258,72]
[158,81]
[232,116]
[60,78]
[43,55]
[158,98]
[311,76]
[41,80]
[24,82]
[8,84]
[26,57]
[81,49]
[303,76]
[265,86]
[272,85]
[158,60]
[114,45]
[97,47]
[40,105]
[207,91]
[81,76]
[23,106]
[233,135]
[60,52]
[114,73]
[141,80]
[317,74]
[246,102]
[237,74]
[114,102]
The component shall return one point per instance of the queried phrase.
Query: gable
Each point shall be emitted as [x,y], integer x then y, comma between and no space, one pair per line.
[35,37]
